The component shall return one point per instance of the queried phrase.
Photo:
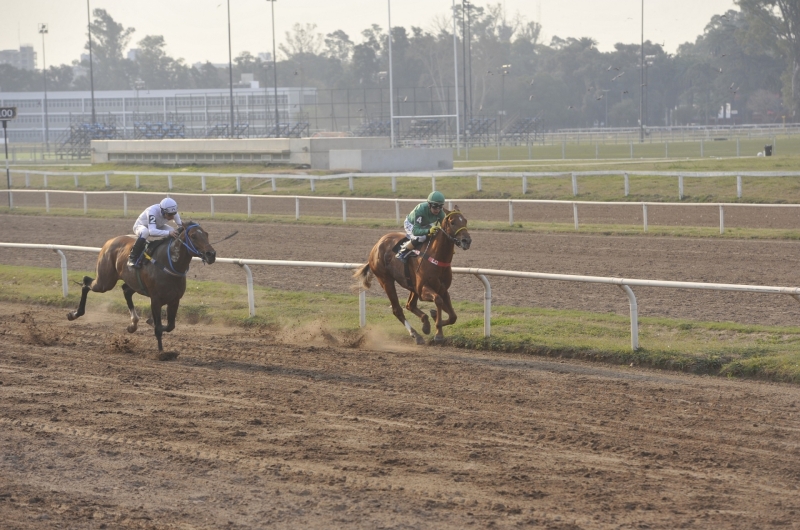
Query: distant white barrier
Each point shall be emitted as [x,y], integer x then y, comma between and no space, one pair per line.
[479,176]
[398,219]
[623,283]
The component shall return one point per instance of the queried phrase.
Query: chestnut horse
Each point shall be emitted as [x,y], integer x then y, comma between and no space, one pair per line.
[162,278]
[426,275]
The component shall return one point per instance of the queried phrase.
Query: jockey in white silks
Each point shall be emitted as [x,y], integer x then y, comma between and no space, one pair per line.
[152,223]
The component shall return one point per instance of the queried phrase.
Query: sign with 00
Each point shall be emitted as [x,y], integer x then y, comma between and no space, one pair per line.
[8,113]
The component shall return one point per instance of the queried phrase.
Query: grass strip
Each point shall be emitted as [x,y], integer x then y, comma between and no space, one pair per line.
[725,349]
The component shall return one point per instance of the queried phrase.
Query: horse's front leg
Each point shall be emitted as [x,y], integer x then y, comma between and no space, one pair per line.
[397,310]
[128,292]
[443,304]
[172,312]
[155,308]
[411,305]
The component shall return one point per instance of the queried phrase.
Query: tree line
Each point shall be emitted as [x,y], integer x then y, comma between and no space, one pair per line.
[748,59]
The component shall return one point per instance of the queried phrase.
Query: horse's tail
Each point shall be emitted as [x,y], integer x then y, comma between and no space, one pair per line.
[364,276]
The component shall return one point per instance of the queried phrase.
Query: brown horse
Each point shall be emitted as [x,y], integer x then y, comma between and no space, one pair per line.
[163,278]
[427,276]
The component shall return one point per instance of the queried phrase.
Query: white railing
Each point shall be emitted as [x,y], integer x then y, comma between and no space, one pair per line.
[397,211]
[478,175]
[623,283]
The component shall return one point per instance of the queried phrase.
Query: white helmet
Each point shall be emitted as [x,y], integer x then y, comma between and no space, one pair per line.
[169,206]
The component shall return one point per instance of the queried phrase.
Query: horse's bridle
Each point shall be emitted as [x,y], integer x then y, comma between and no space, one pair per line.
[456,242]
[188,241]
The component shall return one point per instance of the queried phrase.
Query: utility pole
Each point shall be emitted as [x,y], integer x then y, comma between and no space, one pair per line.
[230,66]
[43,31]
[91,67]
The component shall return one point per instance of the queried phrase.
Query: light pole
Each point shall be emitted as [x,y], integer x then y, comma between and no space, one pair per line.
[648,61]
[641,88]
[91,67]
[230,66]
[391,86]
[605,96]
[503,73]
[275,68]
[43,31]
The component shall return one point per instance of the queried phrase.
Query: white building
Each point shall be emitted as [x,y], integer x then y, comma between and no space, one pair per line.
[24,58]
[197,112]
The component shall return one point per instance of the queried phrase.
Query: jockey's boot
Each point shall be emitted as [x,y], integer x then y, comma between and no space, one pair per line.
[407,247]
[136,251]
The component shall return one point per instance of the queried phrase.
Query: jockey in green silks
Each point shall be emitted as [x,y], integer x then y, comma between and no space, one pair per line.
[422,222]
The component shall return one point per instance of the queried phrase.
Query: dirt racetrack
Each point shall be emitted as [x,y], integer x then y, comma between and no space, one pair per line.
[245,430]
[271,428]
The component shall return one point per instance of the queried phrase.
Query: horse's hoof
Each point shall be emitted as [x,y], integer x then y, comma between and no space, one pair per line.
[166,356]
[149,321]
[420,340]
[433,313]
[71,316]
[132,328]
[438,339]
[426,326]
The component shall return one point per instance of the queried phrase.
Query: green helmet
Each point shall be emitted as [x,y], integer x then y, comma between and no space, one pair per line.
[436,197]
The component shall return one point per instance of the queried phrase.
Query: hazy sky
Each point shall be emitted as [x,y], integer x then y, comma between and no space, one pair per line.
[196,30]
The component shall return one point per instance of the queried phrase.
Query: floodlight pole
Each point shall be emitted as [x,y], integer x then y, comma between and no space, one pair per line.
[230,65]
[91,67]
[275,68]
[455,79]
[641,88]
[43,31]
[391,89]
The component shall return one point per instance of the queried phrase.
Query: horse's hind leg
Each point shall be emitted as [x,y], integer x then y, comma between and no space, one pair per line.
[128,292]
[443,305]
[155,309]
[411,305]
[87,286]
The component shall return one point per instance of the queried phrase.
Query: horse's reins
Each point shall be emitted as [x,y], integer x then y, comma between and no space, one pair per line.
[189,246]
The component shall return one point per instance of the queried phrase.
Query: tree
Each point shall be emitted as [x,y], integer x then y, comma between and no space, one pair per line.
[156,68]
[782,18]
[109,38]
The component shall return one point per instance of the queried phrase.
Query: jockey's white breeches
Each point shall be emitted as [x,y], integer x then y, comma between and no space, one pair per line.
[409,226]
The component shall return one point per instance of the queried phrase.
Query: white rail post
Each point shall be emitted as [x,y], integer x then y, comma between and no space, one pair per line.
[627,185]
[701,148]
[596,152]
[64,288]
[296,208]
[721,220]
[124,204]
[397,210]
[137,182]
[510,213]
[644,215]
[433,183]
[487,305]
[212,206]
[47,201]
[563,149]
[739,186]
[108,184]
[680,187]
[394,184]
[634,317]
[449,204]
[313,184]
[249,206]
[575,213]
[362,308]
[169,181]
[274,185]
[251,297]
[350,182]
[45,180]
[75,176]
[344,210]
[574,184]
[202,183]
[738,152]
[631,150]
[666,149]
[85,203]
[238,183]
[524,185]
[27,180]
[479,183]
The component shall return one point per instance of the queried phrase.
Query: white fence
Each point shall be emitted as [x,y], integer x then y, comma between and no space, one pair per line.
[478,176]
[623,283]
[248,199]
